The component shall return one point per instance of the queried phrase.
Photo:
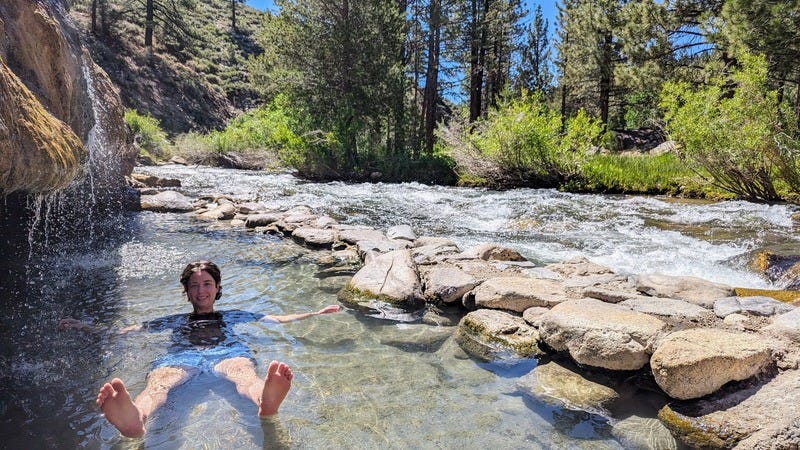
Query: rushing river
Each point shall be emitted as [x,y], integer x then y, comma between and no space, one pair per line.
[360,382]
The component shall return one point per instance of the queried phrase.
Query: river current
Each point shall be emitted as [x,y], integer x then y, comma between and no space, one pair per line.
[361,382]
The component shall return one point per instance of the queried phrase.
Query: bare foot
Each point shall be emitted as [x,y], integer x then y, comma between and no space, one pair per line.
[276,386]
[118,407]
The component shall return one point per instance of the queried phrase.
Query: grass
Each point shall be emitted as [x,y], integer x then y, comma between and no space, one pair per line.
[640,174]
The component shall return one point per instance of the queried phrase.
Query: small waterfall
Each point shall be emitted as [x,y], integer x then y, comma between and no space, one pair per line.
[76,213]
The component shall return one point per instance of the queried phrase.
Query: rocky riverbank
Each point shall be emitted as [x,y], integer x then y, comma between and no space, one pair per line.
[727,363]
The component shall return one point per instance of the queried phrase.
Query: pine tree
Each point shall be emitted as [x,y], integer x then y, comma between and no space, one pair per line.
[338,60]
[534,74]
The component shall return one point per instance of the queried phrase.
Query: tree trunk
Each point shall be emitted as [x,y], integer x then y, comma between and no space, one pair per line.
[233,16]
[430,95]
[477,59]
[797,100]
[399,143]
[606,76]
[564,86]
[94,16]
[148,26]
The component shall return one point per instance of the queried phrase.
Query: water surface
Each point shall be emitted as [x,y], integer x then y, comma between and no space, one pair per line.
[360,382]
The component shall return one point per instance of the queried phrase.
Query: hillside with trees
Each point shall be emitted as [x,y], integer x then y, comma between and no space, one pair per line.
[480,92]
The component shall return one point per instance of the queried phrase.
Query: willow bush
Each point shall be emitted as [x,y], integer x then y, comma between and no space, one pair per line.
[521,143]
[731,128]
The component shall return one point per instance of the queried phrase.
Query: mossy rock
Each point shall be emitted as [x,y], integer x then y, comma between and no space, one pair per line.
[357,298]
[490,335]
[786,296]
[694,432]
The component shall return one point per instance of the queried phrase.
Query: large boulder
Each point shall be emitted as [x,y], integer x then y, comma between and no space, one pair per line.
[223,211]
[601,334]
[786,325]
[490,335]
[518,293]
[697,362]
[447,284]
[38,152]
[390,277]
[760,415]
[167,201]
[315,237]
[492,252]
[780,264]
[670,309]
[40,48]
[756,305]
[579,267]
[692,289]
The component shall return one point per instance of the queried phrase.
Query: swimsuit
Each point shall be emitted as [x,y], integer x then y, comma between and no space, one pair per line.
[202,340]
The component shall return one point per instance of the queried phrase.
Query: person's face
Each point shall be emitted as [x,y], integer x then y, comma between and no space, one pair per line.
[202,291]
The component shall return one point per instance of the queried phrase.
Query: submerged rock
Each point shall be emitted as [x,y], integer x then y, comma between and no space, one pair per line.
[489,335]
[556,385]
[643,433]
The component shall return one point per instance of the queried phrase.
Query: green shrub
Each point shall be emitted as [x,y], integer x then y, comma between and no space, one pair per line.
[148,134]
[521,143]
[271,127]
[522,136]
[582,133]
[732,133]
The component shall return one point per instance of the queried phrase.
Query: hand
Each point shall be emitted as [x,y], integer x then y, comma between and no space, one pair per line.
[329,309]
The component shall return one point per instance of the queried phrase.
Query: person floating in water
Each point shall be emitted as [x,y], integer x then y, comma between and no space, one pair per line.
[202,340]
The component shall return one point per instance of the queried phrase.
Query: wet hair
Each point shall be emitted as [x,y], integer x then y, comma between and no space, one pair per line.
[199,266]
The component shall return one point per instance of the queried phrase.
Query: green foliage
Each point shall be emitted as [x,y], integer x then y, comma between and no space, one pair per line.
[635,174]
[521,136]
[148,133]
[339,66]
[582,133]
[270,127]
[641,109]
[522,140]
[729,128]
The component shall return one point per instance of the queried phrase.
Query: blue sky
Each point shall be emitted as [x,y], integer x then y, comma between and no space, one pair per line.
[548,8]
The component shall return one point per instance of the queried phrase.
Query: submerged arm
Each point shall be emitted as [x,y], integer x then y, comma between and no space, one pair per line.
[71,323]
[300,316]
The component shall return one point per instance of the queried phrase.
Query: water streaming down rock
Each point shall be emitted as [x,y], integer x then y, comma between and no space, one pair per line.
[56,192]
